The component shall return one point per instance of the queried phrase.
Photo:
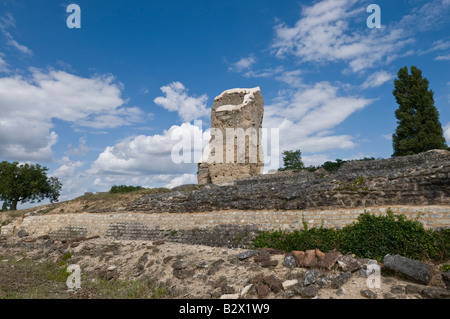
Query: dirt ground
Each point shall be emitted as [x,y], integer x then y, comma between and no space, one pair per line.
[36,268]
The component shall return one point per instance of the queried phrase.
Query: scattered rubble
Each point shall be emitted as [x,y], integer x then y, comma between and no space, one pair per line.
[416,270]
[195,271]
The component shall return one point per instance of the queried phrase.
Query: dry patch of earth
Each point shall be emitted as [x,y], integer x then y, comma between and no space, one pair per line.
[35,268]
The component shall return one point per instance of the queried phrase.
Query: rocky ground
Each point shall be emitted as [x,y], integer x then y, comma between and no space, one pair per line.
[176,270]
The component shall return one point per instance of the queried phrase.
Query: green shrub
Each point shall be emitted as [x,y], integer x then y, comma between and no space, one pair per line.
[122,189]
[375,236]
[370,237]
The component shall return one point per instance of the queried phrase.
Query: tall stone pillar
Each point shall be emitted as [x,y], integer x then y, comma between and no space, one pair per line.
[234,150]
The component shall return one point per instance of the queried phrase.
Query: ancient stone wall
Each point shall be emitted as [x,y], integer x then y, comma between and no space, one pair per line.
[235,150]
[225,228]
[422,179]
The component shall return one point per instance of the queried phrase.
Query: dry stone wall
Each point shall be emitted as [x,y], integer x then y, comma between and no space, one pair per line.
[417,186]
[225,228]
[422,179]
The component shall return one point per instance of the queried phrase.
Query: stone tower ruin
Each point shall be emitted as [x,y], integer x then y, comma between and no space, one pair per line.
[234,150]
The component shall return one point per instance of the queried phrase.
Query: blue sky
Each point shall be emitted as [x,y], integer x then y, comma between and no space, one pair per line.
[97,105]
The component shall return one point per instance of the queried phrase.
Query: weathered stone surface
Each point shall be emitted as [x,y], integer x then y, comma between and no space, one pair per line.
[311,277]
[416,270]
[322,282]
[320,255]
[234,109]
[269,263]
[22,233]
[262,290]
[262,256]
[230,296]
[310,259]
[227,289]
[435,293]
[203,176]
[338,281]
[289,261]
[368,267]
[388,295]
[183,273]
[245,290]
[330,259]
[412,289]
[257,279]
[289,283]
[275,284]
[340,292]
[397,289]
[408,180]
[369,294]
[180,264]
[446,278]
[247,254]
[309,291]
[299,257]
[348,263]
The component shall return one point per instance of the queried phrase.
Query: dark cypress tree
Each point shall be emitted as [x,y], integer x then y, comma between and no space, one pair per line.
[419,129]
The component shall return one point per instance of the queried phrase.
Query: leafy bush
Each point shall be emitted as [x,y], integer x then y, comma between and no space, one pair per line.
[122,189]
[370,237]
[375,236]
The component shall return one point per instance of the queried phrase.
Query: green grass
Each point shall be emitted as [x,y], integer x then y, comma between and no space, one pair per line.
[445,267]
[124,289]
[26,279]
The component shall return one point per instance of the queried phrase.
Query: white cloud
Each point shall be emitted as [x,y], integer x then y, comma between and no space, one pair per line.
[75,182]
[29,104]
[437,46]
[292,78]
[430,16]
[145,161]
[377,79]
[264,73]
[182,180]
[307,116]
[177,100]
[242,64]
[3,65]
[443,58]
[325,33]
[147,155]
[315,160]
[7,22]
[68,169]
[81,150]
[447,133]
[20,47]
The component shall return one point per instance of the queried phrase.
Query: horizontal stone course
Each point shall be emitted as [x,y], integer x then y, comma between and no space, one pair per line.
[422,179]
[212,228]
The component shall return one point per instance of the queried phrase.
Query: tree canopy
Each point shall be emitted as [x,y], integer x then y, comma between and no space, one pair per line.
[419,129]
[26,183]
[292,161]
